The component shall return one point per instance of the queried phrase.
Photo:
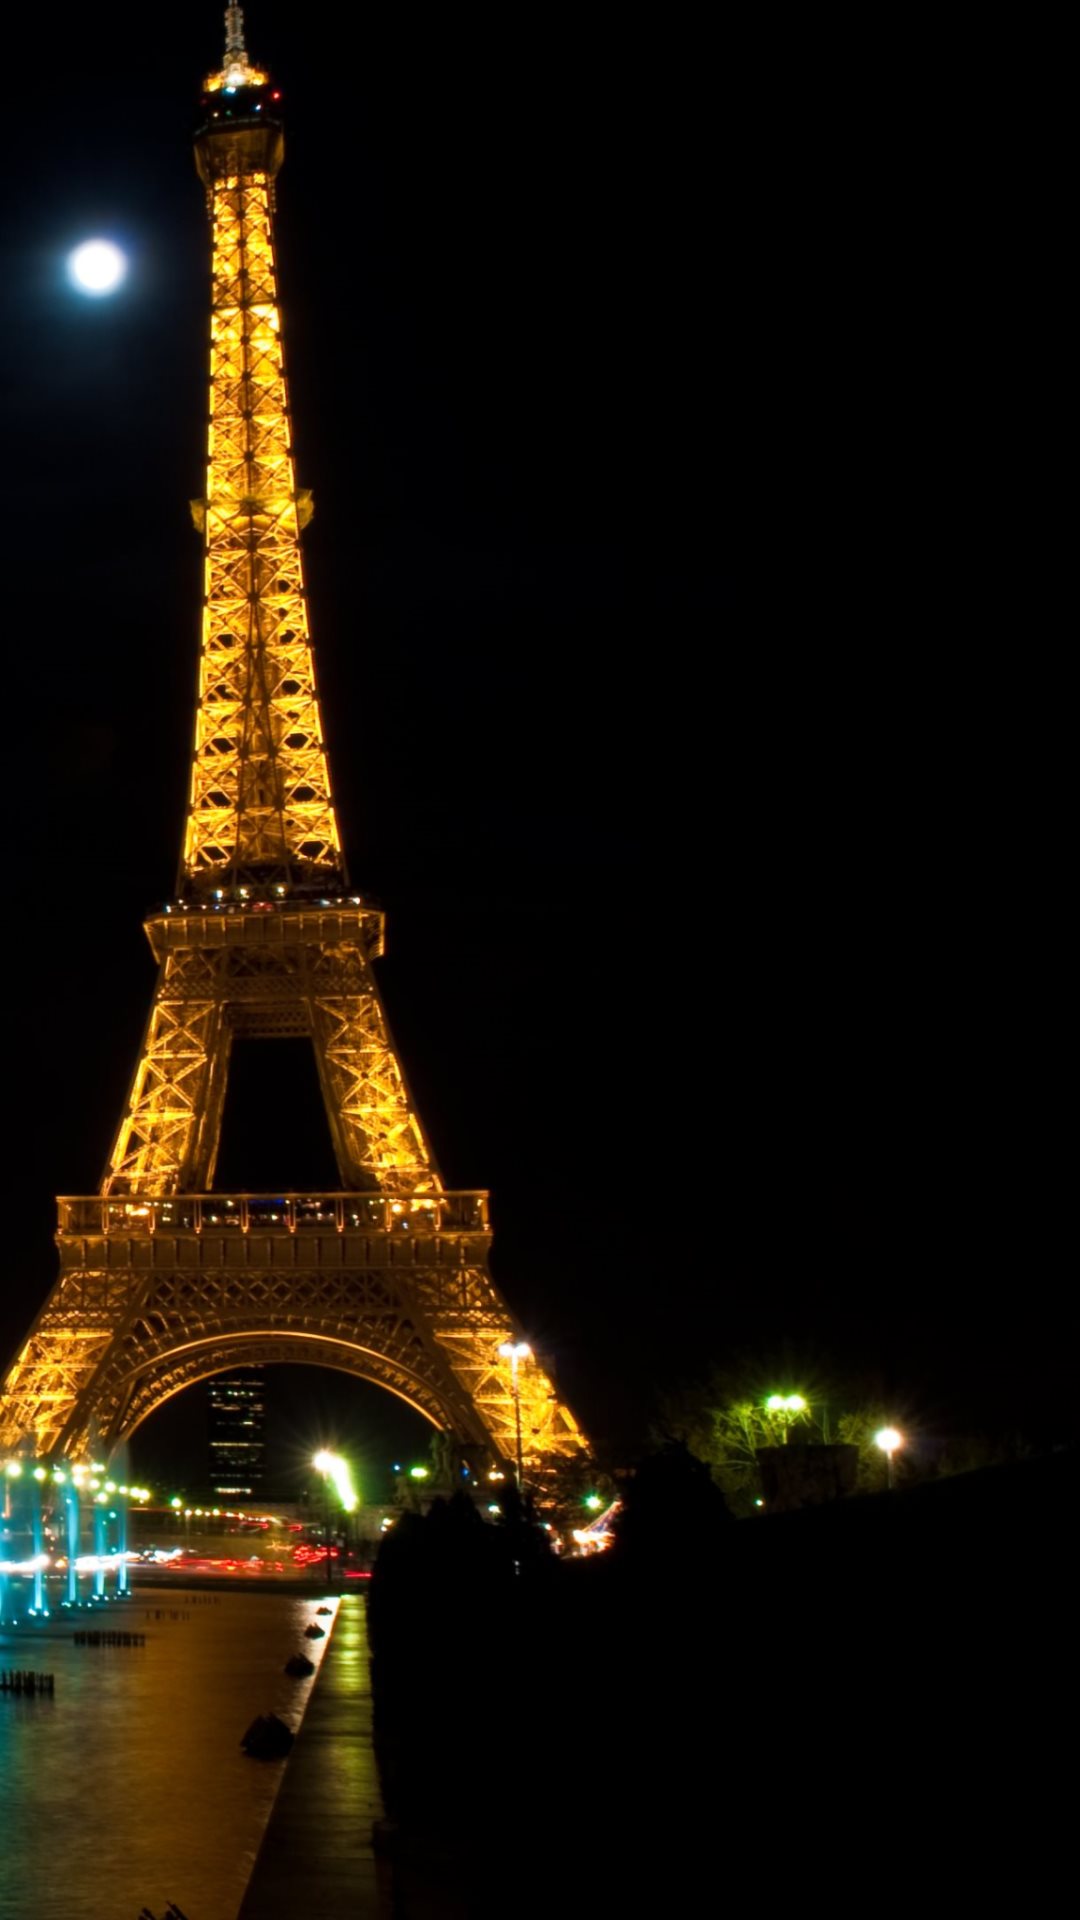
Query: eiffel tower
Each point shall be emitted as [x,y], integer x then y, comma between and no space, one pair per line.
[164,1281]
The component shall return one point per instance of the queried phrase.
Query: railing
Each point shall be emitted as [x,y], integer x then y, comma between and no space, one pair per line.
[265,923]
[406,1213]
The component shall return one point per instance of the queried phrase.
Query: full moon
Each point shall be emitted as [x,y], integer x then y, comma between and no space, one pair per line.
[97,266]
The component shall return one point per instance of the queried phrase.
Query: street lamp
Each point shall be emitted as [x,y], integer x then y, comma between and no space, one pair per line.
[785,1407]
[321,1464]
[890,1441]
[336,1470]
[515,1350]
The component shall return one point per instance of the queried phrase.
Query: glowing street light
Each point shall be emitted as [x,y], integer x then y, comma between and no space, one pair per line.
[890,1440]
[785,1407]
[515,1350]
[335,1472]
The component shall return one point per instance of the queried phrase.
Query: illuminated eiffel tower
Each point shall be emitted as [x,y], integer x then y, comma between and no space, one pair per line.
[163,1281]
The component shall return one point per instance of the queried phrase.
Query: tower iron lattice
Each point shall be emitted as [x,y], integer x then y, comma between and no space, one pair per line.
[163,1280]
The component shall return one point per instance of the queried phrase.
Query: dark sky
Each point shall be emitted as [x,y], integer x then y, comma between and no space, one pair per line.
[611,383]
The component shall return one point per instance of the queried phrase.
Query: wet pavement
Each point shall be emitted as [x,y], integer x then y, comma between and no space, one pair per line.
[317,1855]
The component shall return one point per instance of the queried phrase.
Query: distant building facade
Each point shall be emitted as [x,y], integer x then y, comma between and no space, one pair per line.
[237,1428]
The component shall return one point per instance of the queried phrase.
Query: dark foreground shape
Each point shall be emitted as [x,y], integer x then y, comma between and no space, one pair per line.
[299,1666]
[267,1738]
[867,1690]
[315,1633]
[323,1609]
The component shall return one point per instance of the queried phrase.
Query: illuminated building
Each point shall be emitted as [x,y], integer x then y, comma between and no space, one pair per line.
[163,1281]
[236,1404]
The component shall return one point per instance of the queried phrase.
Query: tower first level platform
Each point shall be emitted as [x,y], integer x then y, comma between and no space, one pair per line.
[165,1281]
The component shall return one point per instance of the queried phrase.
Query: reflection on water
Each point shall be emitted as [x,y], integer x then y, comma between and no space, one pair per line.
[127,1788]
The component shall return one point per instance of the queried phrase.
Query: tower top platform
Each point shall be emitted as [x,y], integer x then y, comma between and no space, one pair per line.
[239,102]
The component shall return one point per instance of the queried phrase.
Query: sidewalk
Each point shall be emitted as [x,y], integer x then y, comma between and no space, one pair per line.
[316,1856]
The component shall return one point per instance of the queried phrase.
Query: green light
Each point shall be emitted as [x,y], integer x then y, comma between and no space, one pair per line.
[785,1403]
[40,1473]
[418,1473]
[13,1469]
[176,1502]
[593,1502]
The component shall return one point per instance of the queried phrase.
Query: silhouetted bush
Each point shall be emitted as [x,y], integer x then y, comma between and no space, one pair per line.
[671,1506]
[665,1721]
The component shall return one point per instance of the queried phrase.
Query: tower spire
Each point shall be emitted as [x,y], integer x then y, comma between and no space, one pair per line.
[237,70]
[234,33]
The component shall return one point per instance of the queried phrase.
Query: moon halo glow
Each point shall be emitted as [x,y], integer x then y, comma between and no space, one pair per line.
[97,266]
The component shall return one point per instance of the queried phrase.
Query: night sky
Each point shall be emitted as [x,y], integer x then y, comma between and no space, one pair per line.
[671,784]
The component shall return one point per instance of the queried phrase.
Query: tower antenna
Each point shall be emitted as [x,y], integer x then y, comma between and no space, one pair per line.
[234,34]
[237,70]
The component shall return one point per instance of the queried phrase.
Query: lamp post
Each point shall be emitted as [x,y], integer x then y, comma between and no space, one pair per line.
[334,1469]
[323,1463]
[515,1350]
[890,1441]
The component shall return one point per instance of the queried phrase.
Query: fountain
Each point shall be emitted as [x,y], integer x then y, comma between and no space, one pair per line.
[62,1528]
